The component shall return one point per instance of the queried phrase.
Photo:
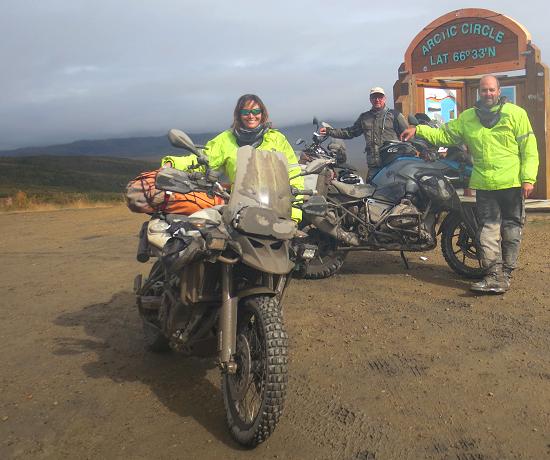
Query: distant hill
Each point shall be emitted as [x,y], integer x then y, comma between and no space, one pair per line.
[132,147]
[100,169]
[68,173]
[154,147]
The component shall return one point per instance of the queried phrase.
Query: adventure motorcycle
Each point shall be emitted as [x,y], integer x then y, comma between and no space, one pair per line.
[335,150]
[224,271]
[398,211]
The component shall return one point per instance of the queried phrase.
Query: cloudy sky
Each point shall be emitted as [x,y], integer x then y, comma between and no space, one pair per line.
[89,69]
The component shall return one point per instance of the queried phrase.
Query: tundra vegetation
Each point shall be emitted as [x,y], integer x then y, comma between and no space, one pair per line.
[52,182]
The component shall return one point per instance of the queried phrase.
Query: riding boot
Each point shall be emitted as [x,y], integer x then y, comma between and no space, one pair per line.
[495,282]
[507,274]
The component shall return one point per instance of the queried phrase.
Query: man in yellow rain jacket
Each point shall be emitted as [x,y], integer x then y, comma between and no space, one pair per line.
[505,164]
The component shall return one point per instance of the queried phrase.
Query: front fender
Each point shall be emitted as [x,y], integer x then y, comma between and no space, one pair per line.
[258,290]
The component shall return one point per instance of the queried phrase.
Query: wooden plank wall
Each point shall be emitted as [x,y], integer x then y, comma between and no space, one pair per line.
[537,105]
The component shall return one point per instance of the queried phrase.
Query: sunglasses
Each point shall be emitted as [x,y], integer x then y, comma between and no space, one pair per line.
[245,112]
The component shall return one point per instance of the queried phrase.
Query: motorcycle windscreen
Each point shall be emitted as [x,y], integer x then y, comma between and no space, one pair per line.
[261,180]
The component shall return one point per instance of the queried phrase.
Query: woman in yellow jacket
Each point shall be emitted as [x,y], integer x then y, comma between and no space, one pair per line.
[250,126]
[505,164]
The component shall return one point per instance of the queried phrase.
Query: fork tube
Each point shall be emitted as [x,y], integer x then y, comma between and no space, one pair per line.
[282,284]
[227,335]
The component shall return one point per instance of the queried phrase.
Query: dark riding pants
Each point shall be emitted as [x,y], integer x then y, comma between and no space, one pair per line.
[501,216]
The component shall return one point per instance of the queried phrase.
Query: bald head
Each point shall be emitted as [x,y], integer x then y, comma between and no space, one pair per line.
[489,90]
[489,80]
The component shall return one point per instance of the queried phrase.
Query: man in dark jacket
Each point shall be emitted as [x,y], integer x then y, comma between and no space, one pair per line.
[380,124]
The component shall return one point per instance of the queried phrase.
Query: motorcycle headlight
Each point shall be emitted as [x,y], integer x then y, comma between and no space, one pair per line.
[306,251]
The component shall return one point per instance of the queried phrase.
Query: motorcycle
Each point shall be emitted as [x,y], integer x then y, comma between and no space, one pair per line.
[335,150]
[407,204]
[223,271]
[326,259]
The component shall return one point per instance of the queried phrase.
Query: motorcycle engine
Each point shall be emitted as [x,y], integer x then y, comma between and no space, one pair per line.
[372,212]
[174,317]
[403,218]
[377,209]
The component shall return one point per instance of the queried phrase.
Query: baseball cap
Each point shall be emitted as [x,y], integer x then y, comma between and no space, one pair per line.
[377,90]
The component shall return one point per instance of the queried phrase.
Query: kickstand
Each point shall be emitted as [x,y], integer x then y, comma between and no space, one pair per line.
[405,261]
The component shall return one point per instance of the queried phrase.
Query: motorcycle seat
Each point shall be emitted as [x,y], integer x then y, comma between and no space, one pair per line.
[354,190]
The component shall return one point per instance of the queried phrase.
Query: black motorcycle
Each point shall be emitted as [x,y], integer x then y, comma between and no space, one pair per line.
[327,260]
[406,205]
[223,272]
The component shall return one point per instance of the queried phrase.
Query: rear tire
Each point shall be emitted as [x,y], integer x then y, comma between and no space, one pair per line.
[155,340]
[459,248]
[254,396]
[327,261]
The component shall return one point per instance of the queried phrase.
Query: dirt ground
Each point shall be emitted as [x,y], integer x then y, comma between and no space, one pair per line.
[386,363]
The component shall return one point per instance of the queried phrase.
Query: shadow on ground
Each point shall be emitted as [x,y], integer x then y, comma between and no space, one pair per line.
[178,381]
[390,263]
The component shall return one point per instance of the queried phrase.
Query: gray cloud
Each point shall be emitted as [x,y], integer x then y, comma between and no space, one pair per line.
[110,68]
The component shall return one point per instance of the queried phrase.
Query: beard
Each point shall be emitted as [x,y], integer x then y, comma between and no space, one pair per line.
[490,101]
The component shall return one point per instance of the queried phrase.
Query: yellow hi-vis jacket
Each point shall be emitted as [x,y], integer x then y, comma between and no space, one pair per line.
[504,156]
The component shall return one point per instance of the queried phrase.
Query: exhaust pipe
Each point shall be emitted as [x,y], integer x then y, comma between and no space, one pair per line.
[335,231]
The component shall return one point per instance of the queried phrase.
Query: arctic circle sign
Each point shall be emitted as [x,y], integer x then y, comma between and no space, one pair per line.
[443,63]
[461,41]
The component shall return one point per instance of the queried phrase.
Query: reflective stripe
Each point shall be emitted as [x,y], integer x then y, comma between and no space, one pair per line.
[525,135]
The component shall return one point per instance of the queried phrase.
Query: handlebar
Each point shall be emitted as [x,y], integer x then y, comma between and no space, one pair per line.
[178,181]
[296,191]
[196,176]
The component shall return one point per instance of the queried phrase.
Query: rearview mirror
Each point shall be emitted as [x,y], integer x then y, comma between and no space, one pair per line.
[423,118]
[181,140]
[412,120]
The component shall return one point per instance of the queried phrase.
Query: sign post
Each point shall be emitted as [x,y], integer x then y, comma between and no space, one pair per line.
[444,61]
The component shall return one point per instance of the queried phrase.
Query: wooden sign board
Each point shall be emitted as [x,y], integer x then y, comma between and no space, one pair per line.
[467,42]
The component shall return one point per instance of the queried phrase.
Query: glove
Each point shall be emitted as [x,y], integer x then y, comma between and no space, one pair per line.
[304,158]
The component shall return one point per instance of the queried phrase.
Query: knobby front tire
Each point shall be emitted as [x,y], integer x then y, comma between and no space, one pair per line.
[327,261]
[254,396]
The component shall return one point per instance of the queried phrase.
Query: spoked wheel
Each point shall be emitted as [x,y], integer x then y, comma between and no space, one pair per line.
[149,299]
[327,261]
[254,395]
[459,248]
